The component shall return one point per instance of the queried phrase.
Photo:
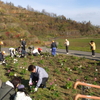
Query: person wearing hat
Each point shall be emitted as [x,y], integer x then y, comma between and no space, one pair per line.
[2,57]
[66,45]
[21,93]
[53,48]
[35,52]
[40,50]
[23,44]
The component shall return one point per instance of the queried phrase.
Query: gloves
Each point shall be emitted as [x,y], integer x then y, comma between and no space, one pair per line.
[30,83]
[35,90]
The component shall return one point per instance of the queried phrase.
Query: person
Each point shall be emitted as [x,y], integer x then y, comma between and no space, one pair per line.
[30,48]
[35,52]
[53,48]
[38,77]
[23,53]
[12,52]
[7,89]
[93,48]
[21,93]
[23,43]
[0,83]
[66,45]
[2,57]
[40,50]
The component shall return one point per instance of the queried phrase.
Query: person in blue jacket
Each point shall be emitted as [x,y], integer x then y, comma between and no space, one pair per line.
[38,77]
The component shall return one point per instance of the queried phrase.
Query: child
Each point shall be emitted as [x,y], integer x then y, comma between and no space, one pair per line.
[22,94]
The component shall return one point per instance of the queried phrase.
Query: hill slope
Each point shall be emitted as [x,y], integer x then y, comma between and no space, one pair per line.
[18,22]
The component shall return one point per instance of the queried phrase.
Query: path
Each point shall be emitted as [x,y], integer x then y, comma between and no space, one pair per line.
[75,53]
[71,52]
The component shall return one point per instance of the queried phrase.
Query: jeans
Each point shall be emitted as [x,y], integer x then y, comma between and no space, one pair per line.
[53,52]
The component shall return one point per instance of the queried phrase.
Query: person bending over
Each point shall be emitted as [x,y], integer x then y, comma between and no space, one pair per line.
[38,77]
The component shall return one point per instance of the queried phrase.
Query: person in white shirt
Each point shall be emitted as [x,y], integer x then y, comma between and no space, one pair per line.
[66,45]
[35,52]
[12,52]
[22,94]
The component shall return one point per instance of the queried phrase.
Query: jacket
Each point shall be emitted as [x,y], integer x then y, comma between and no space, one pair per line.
[1,57]
[53,45]
[21,96]
[7,91]
[40,74]
[93,46]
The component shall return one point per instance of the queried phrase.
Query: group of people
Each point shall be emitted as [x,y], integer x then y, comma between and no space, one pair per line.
[66,43]
[38,78]
[38,75]
[54,47]
[21,51]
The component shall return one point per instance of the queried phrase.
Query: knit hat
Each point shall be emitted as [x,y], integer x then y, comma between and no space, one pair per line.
[21,86]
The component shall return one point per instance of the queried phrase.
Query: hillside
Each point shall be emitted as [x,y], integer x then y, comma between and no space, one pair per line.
[19,22]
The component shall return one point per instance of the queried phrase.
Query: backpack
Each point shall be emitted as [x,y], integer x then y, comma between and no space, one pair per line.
[6,92]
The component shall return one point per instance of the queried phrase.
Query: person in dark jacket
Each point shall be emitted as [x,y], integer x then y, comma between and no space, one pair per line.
[38,77]
[23,53]
[23,43]
[53,48]
[7,89]
[2,57]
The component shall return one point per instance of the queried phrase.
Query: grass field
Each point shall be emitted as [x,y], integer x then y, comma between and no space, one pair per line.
[81,44]
[63,72]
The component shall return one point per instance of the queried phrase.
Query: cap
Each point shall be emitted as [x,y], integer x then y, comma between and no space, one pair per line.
[21,86]
[3,52]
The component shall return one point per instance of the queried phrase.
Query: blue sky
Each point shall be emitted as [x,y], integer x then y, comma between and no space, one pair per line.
[78,10]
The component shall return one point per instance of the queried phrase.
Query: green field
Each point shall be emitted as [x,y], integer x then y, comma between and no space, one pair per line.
[63,72]
[81,44]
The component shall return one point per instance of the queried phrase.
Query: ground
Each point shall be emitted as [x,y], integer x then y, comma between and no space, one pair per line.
[63,72]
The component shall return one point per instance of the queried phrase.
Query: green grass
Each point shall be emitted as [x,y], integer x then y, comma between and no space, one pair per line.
[81,44]
[63,72]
